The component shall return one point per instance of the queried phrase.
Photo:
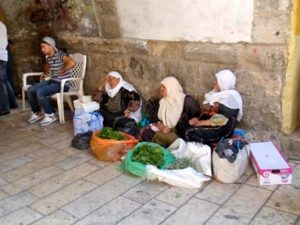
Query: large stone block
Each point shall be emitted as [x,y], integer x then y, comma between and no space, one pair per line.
[166,49]
[186,73]
[110,27]
[262,114]
[106,7]
[259,83]
[271,6]
[103,46]
[134,46]
[146,73]
[266,57]
[212,53]
[271,28]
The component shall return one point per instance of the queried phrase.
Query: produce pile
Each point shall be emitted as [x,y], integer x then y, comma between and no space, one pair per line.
[148,154]
[109,133]
[180,164]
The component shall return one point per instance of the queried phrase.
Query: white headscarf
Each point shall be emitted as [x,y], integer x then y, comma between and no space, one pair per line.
[227,96]
[171,106]
[111,92]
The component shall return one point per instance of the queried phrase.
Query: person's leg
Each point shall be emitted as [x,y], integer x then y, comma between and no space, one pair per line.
[43,93]
[11,95]
[4,102]
[32,96]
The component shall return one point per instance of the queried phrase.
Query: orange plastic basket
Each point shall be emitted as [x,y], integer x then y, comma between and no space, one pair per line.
[110,149]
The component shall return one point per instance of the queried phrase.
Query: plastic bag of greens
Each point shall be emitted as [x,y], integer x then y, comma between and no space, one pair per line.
[146,153]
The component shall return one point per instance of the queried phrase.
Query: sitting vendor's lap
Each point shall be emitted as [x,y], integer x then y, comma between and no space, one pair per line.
[109,117]
[210,134]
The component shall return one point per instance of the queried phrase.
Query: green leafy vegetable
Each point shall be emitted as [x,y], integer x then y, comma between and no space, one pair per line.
[180,164]
[109,133]
[147,154]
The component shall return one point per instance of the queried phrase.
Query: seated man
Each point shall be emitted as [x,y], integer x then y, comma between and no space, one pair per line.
[57,67]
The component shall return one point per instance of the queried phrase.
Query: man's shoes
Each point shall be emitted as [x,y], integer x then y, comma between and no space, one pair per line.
[48,119]
[34,117]
[2,113]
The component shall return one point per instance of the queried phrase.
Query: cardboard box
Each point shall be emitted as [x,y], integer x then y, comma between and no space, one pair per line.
[270,164]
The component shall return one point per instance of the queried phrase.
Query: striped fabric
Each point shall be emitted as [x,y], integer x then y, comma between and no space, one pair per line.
[55,64]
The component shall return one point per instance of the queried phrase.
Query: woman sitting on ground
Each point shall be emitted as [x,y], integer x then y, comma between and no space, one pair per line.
[175,110]
[119,101]
[222,107]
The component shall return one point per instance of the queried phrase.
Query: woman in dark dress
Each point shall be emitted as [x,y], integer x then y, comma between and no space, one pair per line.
[174,112]
[222,107]
[120,104]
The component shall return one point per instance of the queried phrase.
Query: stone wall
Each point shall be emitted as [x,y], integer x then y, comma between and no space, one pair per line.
[260,65]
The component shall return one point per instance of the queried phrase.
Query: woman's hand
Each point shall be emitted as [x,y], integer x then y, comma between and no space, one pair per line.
[101,85]
[193,121]
[198,123]
[163,128]
[127,113]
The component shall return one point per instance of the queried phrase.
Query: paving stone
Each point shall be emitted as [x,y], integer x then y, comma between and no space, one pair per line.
[69,151]
[100,196]
[269,216]
[62,180]
[54,139]
[98,163]
[73,161]
[102,176]
[241,207]
[111,213]
[15,202]
[286,198]
[63,144]
[31,180]
[32,167]
[196,211]
[11,164]
[217,192]
[176,196]
[58,199]
[2,195]
[145,191]
[14,153]
[20,217]
[43,152]
[57,218]
[154,212]
[2,182]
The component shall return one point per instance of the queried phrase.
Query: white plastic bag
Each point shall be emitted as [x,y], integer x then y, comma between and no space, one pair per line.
[227,172]
[197,153]
[84,121]
[186,178]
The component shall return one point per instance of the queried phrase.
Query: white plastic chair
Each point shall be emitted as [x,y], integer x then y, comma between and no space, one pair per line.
[75,83]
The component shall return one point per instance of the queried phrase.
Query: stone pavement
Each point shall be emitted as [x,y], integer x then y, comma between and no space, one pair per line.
[45,181]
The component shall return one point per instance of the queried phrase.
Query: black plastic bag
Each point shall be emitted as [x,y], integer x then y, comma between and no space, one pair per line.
[82,141]
[126,125]
[229,148]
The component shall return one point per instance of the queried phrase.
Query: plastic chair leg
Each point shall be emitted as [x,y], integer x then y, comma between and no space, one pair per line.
[23,99]
[60,108]
[69,101]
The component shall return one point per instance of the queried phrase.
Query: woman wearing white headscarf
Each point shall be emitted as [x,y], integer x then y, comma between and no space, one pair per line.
[222,107]
[118,100]
[175,110]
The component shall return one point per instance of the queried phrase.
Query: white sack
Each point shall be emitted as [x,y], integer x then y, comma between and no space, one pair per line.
[197,153]
[186,178]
